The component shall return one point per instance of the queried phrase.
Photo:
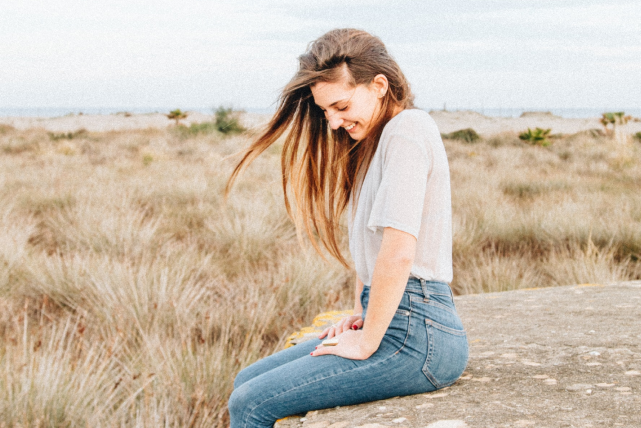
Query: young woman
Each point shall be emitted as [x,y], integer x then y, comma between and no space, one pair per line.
[354,141]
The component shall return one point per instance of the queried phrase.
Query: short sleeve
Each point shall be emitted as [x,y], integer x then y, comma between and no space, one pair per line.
[399,200]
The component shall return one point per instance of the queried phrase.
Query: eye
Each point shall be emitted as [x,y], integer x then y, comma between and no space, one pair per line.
[343,109]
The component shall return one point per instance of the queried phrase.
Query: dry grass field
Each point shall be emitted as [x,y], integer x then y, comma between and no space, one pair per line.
[131,293]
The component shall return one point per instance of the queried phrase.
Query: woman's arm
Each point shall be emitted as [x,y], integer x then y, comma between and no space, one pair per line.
[391,271]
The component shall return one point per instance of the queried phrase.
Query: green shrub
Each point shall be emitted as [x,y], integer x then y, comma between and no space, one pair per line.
[467,135]
[147,159]
[615,119]
[67,136]
[522,190]
[15,146]
[594,133]
[638,136]
[176,115]
[204,128]
[527,190]
[226,121]
[5,129]
[505,138]
[538,137]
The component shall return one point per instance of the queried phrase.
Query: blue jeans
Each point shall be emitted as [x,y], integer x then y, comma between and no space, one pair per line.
[424,349]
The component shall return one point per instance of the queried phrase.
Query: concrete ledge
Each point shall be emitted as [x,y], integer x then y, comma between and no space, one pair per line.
[553,357]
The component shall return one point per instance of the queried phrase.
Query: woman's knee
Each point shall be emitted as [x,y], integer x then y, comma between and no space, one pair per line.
[246,408]
[243,376]
[237,402]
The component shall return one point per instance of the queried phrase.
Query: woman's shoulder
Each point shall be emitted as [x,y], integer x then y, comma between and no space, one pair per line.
[413,124]
[410,121]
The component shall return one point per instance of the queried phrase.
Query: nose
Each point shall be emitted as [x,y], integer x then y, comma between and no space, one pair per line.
[335,121]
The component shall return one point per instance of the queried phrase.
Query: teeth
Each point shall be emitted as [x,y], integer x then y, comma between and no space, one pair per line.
[347,128]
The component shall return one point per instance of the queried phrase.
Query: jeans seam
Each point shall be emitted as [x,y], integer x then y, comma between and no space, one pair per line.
[444,328]
[430,352]
[328,377]
[428,300]
[434,325]
[409,326]
[442,306]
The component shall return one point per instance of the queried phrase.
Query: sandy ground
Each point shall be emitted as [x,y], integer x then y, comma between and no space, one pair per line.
[446,121]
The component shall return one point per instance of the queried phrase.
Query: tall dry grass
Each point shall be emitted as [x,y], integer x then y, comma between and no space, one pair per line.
[130,294]
[529,216]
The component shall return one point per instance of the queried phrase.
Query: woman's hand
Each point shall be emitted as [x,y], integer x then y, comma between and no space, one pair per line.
[351,345]
[352,322]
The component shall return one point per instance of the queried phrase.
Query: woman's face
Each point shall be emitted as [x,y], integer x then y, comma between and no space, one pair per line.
[353,108]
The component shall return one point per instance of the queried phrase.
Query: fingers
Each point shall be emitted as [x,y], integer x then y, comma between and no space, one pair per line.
[357,324]
[323,333]
[342,326]
[324,350]
[330,332]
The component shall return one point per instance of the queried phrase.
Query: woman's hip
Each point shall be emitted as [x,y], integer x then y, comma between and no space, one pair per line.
[426,329]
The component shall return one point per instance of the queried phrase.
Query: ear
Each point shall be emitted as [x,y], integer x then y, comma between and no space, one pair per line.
[380,85]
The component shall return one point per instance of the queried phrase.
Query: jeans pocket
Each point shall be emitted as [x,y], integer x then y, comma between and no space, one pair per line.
[447,354]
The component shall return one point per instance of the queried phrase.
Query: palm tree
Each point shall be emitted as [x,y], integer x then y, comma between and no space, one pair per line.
[176,115]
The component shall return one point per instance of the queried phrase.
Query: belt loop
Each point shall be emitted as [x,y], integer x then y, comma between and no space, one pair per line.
[424,288]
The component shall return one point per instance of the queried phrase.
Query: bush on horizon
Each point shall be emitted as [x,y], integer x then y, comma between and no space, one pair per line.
[4,129]
[202,128]
[467,135]
[67,135]
[227,122]
[615,119]
[538,137]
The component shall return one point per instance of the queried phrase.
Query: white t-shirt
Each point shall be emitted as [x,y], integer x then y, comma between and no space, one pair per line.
[406,187]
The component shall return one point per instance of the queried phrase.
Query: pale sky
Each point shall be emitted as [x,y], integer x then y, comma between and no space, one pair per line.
[202,53]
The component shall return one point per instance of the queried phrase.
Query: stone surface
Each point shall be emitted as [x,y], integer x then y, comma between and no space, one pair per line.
[532,363]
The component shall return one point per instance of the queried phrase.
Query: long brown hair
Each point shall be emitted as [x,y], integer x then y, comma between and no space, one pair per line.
[321,167]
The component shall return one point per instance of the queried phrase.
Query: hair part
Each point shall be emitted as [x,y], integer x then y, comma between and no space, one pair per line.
[323,168]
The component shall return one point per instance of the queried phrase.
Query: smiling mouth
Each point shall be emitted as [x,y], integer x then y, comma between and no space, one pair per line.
[350,127]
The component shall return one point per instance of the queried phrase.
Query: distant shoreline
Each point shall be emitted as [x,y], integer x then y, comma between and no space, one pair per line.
[507,112]
[447,122]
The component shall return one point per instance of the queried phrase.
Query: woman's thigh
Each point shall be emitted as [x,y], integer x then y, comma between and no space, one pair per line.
[276,360]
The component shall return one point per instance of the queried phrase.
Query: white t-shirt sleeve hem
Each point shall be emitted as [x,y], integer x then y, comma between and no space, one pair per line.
[375,225]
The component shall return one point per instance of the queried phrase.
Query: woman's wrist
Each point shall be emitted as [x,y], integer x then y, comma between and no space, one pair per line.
[368,344]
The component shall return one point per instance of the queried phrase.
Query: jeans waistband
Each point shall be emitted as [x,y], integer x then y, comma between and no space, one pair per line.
[427,288]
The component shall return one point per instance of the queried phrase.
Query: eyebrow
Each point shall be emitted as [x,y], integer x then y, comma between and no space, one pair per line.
[335,102]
